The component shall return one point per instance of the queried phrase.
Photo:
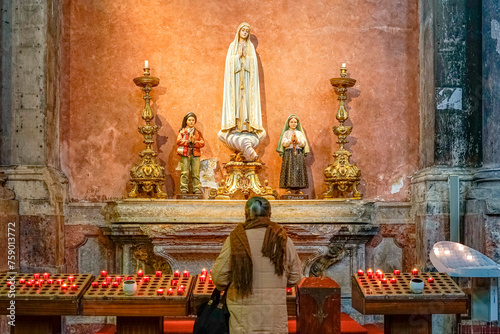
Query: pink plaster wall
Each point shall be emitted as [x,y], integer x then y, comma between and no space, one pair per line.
[301,45]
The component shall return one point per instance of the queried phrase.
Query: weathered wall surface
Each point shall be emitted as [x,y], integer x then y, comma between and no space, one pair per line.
[300,47]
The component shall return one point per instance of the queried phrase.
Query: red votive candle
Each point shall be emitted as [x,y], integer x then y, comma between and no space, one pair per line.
[204,271]
[202,278]
[170,291]
[361,272]
[128,278]
[50,281]
[118,279]
[104,284]
[37,284]
[146,278]
[22,281]
[36,276]
[41,281]
[369,271]
[210,279]
[29,283]
[180,289]
[46,275]
[64,286]
[9,283]
[74,287]
[71,278]
[397,271]
[430,280]
[109,279]
[114,284]
[414,271]
[177,273]
[174,282]
[288,291]
[378,273]
[95,284]
[158,273]
[159,292]
[384,280]
[140,273]
[104,273]
[60,281]
[393,280]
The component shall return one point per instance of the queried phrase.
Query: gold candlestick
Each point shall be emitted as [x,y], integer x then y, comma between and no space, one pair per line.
[342,177]
[147,177]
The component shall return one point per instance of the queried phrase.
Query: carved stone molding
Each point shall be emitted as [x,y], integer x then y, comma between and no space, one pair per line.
[146,254]
[334,254]
[346,237]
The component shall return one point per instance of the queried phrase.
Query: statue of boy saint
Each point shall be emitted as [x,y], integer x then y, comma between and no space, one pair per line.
[242,129]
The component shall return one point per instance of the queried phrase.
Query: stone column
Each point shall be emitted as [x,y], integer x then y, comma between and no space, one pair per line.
[482,222]
[483,206]
[29,154]
[450,109]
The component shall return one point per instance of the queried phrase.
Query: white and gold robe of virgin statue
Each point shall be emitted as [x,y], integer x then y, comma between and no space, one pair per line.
[241,128]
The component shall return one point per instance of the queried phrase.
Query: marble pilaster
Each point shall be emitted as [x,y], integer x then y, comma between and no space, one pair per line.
[41,193]
[9,226]
[482,221]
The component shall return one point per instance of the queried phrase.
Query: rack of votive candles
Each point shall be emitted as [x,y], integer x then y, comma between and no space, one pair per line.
[45,284]
[378,283]
[154,285]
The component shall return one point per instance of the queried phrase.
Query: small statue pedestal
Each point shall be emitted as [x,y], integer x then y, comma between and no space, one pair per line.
[294,196]
[242,176]
[189,196]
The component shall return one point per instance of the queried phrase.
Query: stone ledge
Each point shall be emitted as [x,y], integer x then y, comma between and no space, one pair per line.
[212,211]
[232,211]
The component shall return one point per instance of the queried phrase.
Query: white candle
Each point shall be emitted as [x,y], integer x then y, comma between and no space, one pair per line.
[146,64]
[343,65]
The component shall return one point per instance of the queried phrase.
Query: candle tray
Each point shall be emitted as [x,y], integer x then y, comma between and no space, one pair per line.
[108,301]
[48,299]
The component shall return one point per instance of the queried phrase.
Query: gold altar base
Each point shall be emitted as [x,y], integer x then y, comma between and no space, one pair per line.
[242,177]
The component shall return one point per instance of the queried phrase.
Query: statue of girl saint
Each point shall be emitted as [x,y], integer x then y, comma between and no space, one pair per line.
[241,128]
[293,148]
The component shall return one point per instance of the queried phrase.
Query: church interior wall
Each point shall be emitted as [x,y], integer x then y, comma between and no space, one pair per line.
[104,45]
[67,151]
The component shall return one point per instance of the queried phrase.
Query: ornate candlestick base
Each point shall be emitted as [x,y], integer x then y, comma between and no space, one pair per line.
[342,177]
[147,177]
[242,176]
